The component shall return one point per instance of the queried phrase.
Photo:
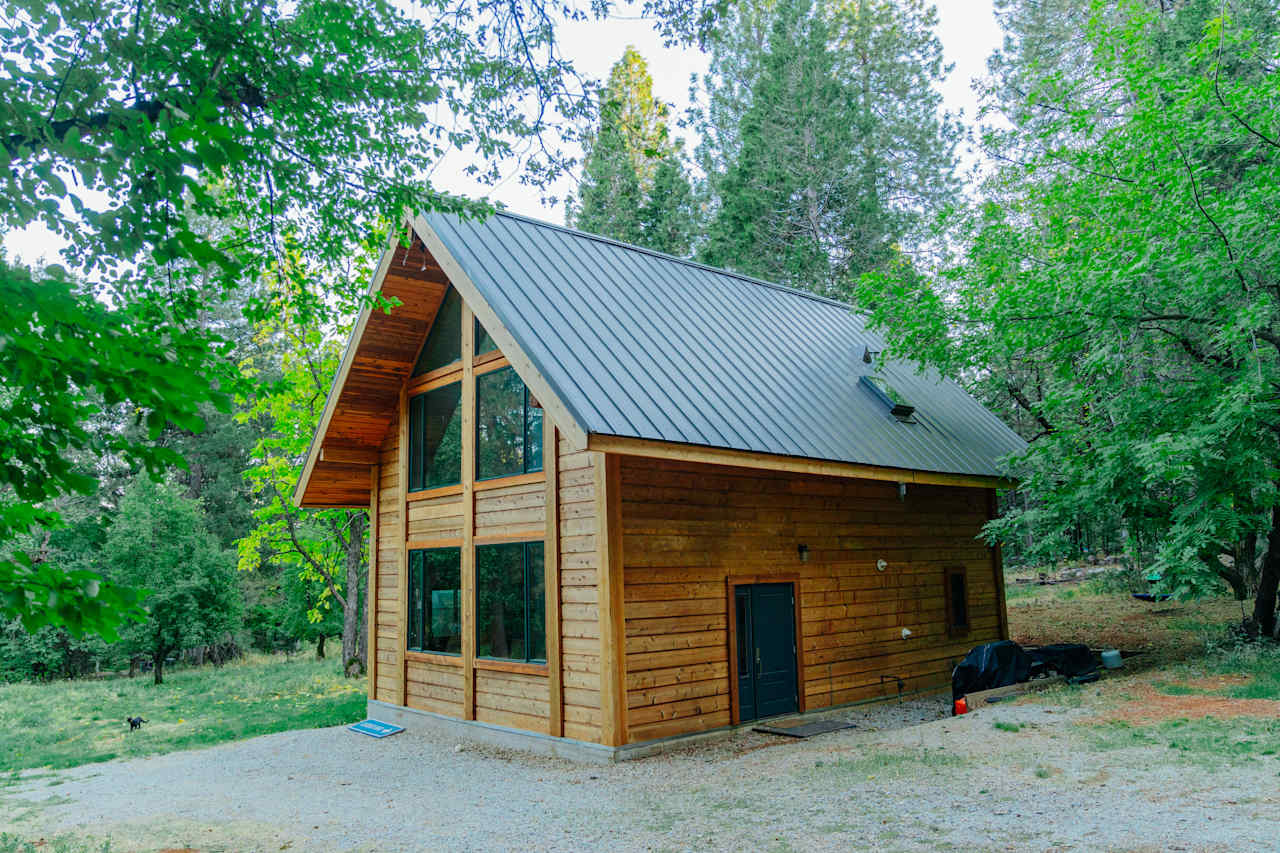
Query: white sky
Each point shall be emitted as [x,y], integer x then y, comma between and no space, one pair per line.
[967,28]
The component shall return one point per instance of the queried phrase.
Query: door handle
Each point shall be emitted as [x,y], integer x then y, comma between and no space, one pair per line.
[757,660]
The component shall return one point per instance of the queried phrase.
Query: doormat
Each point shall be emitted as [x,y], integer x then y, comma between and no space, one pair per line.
[817,727]
[376,728]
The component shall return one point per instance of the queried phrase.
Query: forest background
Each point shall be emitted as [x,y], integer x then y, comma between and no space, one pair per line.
[224,176]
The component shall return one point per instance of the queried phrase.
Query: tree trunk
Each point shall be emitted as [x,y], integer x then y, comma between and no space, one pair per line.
[353,650]
[157,667]
[320,647]
[1264,605]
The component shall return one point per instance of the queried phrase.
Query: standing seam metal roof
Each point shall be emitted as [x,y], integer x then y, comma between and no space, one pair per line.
[644,345]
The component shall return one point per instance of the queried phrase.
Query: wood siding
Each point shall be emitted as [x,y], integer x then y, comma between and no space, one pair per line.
[386,642]
[689,527]
[579,595]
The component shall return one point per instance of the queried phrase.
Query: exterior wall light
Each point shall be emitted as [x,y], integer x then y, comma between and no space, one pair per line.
[803,551]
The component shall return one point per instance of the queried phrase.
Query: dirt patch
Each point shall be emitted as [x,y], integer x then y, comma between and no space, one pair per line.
[1118,621]
[1215,683]
[1145,704]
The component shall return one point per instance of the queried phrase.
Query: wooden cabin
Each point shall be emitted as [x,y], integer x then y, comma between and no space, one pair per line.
[619,497]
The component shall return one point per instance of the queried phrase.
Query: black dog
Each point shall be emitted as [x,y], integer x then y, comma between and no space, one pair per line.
[135,723]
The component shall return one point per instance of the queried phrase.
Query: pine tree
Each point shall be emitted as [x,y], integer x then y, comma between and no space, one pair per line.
[633,186]
[824,144]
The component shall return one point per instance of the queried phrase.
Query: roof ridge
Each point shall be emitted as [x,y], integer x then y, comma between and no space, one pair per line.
[795,291]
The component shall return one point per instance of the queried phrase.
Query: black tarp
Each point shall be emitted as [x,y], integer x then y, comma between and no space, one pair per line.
[989,666]
[1004,663]
[1071,660]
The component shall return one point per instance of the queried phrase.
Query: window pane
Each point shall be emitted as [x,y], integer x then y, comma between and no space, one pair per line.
[417,411]
[442,603]
[537,602]
[532,435]
[415,600]
[500,424]
[435,438]
[500,601]
[444,341]
[484,343]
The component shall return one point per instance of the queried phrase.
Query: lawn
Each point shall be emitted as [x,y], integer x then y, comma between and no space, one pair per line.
[66,723]
[1099,614]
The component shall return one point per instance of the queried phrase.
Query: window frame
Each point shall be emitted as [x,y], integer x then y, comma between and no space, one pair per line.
[956,628]
[417,461]
[420,617]
[526,430]
[528,583]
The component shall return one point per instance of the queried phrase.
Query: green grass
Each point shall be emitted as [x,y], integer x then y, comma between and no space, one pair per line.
[68,723]
[1001,725]
[60,844]
[1207,741]
[1259,661]
[900,763]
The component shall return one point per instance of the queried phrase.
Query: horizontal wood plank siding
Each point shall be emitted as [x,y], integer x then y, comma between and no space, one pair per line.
[687,527]
[517,512]
[434,687]
[518,700]
[385,642]
[435,518]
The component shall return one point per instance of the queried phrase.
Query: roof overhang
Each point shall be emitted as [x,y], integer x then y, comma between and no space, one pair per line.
[365,395]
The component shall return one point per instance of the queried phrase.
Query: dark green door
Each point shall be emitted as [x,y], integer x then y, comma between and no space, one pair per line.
[766,628]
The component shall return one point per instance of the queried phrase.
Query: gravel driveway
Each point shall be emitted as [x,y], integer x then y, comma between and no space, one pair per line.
[952,783]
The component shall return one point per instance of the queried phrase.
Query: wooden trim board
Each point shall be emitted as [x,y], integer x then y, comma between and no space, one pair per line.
[371,599]
[468,516]
[773,462]
[613,665]
[551,577]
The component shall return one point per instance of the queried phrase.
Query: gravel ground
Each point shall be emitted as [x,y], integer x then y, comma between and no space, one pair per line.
[892,783]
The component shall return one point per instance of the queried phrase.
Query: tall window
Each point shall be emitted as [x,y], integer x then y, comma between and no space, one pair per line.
[511,602]
[508,426]
[435,438]
[444,341]
[435,600]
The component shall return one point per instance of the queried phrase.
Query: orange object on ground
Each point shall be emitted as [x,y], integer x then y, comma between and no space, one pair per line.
[962,707]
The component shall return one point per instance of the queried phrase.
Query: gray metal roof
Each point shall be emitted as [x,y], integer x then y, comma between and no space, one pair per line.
[644,345]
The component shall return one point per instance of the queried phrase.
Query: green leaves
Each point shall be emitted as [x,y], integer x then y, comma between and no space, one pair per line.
[188,152]
[1117,288]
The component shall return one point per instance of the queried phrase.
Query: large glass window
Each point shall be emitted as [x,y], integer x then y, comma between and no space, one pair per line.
[435,600]
[444,341]
[484,343]
[435,438]
[508,426]
[511,602]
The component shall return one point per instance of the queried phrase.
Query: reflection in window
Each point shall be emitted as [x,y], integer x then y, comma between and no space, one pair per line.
[435,438]
[484,343]
[511,602]
[508,426]
[435,600]
[444,342]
